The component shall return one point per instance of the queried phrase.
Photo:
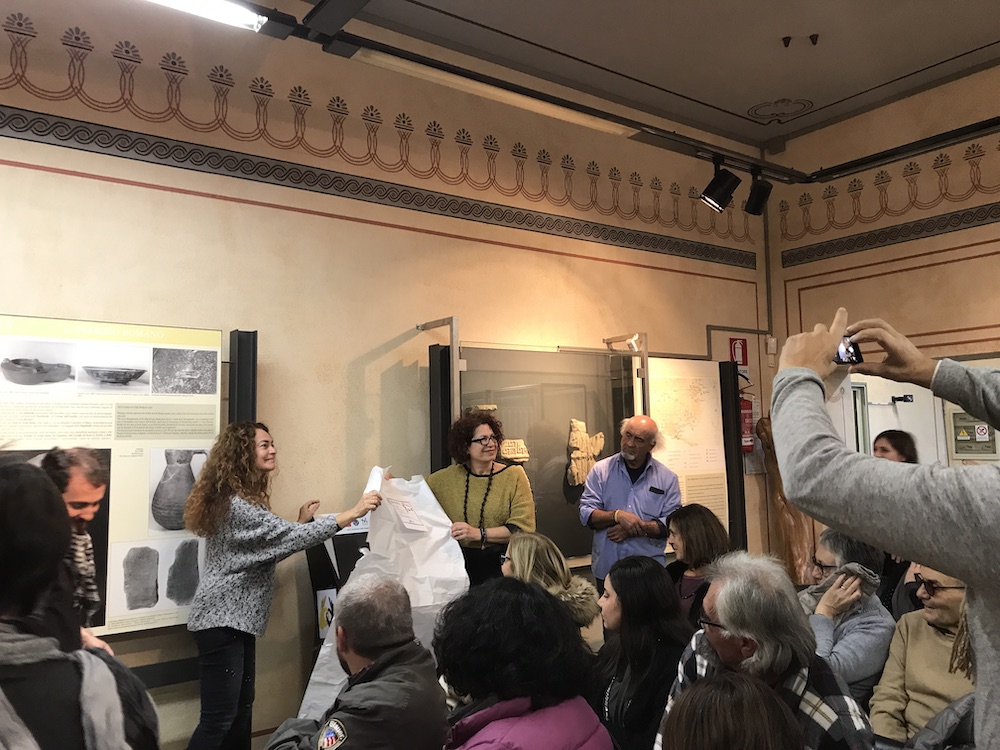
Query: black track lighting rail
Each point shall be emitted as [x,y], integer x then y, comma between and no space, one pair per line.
[283,25]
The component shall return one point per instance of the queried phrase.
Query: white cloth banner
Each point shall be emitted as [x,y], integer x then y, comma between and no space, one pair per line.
[410,541]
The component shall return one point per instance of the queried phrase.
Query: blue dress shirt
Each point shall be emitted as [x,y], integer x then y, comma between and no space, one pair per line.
[654,496]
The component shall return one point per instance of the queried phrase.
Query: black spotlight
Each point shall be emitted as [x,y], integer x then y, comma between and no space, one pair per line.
[720,190]
[760,191]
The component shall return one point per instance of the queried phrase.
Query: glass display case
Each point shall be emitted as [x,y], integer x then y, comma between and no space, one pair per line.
[554,406]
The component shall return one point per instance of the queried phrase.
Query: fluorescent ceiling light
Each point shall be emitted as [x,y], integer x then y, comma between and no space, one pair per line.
[223,11]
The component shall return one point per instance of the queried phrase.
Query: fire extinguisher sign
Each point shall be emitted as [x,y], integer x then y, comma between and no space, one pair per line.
[738,353]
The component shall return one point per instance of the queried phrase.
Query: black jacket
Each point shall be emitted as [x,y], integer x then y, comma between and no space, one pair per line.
[632,716]
[395,703]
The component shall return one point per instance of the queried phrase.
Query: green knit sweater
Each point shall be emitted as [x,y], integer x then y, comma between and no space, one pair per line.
[509,502]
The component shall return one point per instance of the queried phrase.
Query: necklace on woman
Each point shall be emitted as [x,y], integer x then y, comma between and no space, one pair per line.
[465,503]
[698,580]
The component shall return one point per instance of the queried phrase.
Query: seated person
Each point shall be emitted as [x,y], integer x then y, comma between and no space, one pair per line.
[534,558]
[852,626]
[392,698]
[917,682]
[646,636]
[48,697]
[753,623]
[727,711]
[697,537]
[513,648]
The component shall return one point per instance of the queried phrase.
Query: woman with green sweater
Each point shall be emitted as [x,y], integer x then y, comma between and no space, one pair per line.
[486,500]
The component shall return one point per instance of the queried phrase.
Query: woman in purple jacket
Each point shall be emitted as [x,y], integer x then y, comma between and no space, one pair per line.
[515,650]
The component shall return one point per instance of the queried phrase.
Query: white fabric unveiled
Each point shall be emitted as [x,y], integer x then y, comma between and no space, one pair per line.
[410,541]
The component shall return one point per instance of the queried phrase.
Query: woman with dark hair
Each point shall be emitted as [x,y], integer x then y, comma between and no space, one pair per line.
[647,633]
[698,537]
[486,500]
[897,591]
[230,506]
[49,697]
[727,711]
[895,445]
[513,649]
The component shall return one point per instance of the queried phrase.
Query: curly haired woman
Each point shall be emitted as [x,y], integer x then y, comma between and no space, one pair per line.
[486,500]
[230,507]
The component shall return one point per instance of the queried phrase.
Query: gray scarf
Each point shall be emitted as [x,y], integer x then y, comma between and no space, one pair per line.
[809,597]
[100,708]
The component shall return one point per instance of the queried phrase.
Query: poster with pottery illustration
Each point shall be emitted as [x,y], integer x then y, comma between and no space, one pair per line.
[145,402]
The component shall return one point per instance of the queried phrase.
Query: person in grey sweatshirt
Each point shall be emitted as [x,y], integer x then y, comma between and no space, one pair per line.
[948,518]
[853,629]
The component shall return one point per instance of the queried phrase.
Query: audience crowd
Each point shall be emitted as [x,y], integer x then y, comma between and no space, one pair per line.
[719,649]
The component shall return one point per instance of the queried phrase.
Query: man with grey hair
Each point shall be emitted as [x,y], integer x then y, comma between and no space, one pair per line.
[392,698]
[627,500]
[753,623]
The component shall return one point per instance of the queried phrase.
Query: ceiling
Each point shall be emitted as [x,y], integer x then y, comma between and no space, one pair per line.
[720,66]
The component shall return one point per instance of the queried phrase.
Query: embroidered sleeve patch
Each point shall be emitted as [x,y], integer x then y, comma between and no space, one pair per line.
[333,735]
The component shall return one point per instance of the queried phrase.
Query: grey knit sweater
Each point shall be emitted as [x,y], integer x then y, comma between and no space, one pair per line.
[946,518]
[237,583]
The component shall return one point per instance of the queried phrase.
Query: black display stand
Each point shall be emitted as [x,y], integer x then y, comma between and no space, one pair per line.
[440,386]
[242,376]
[730,390]
[323,575]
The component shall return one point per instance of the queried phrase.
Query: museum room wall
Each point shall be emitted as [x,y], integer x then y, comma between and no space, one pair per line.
[333,227]
[914,241]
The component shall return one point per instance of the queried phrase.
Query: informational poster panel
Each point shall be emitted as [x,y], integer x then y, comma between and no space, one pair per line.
[147,399]
[687,407]
[970,438]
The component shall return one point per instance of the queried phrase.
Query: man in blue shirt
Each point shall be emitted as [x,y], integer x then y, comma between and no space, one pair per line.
[627,501]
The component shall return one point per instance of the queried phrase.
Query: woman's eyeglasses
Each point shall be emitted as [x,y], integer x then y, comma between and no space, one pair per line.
[930,586]
[485,440]
[826,569]
[503,558]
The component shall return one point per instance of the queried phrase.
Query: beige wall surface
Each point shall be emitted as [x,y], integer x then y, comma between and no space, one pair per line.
[335,286]
[914,241]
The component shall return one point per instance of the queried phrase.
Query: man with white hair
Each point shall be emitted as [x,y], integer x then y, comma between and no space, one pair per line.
[627,500]
[753,623]
[392,697]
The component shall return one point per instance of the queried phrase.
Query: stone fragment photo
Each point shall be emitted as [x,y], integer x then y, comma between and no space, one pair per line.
[191,371]
[183,575]
[153,575]
[142,589]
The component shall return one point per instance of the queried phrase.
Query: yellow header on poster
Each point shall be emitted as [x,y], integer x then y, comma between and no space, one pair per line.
[56,328]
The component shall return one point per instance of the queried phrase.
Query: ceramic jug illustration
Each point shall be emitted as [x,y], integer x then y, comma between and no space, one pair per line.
[174,487]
